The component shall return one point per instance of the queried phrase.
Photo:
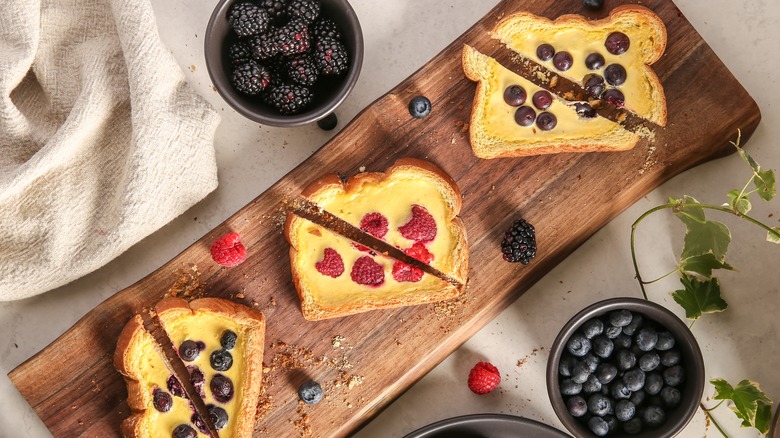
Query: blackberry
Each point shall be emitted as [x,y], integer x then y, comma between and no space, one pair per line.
[276,66]
[263,46]
[292,38]
[289,98]
[331,56]
[325,28]
[519,244]
[239,52]
[275,9]
[306,10]
[247,19]
[301,70]
[250,78]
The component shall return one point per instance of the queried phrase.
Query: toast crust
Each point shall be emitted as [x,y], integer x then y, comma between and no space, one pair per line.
[332,183]
[170,310]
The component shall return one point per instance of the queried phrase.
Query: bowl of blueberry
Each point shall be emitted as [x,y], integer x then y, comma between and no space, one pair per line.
[284,62]
[625,367]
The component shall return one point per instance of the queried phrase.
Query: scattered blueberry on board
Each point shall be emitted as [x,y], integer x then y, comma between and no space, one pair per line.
[328,122]
[419,107]
[310,392]
[621,373]
[593,4]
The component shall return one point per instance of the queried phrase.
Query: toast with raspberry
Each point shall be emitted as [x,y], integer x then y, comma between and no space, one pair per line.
[220,342]
[413,206]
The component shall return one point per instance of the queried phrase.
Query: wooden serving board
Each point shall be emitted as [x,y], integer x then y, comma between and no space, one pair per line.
[365,361]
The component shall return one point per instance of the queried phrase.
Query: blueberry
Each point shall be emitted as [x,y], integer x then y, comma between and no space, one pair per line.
[545,52]
[580,372]
[599,404]
[222,388]
[620,318]
[591,385]
[653,383]
[570,387]
[184,431]
[613,332]
[615,74]
[525,116]
[646,338]
[670,396]
[634,325]
[546,121]
[221,360]
[674,376]
[618,390]
[591,361]
[228,339]
[566,365]
[614,97]
[665,341]
[175,387]
[633,426]
[593,4]
[310,392]
[637,397]
[577,406]
[649,361]
[563,61]
[594,61]
[653,416]
[634,379]
[578,345]
[328,122]
[542,99]
[162,400]
[419,107]
[602,346]
[218,416]
[625,410]
[598,426]
[592,327]
[617,43]
[623,341]
[612,422]
[584,110]
[606,372]
[515,95]
[670,358]
[188,350]
[625,359]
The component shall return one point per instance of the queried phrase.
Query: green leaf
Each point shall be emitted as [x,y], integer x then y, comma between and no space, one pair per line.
[774,235]
[739,201]
[699,297]
[689,212]
[751,405]
[709,237]
[703,265]
[765,183]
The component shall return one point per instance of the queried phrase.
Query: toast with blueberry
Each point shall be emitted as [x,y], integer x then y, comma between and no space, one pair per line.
[413,206]
[220,342]
[610,59]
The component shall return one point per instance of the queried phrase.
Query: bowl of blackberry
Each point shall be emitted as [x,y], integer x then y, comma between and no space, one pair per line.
[625,367]
[284,62]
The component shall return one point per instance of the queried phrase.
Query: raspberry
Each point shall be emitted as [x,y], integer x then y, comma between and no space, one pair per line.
[228,250]
[421,227]
[331,265]
[374,224]
[483,378]
[367,271]
[407,273]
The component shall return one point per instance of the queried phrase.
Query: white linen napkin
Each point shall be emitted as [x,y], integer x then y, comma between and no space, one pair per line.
[102,141]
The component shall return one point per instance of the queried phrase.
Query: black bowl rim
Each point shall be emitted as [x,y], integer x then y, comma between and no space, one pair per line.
[691,354]
[212,47]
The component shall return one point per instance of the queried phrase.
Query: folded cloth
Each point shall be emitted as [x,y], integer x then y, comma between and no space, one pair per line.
[102,141]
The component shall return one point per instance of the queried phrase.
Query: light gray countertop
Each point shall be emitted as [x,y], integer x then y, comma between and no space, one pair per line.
[400,36]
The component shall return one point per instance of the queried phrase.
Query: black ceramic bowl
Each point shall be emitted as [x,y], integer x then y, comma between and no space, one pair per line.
[691,390]
[328,92]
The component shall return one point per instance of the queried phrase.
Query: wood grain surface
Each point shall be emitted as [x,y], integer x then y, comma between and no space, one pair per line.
[365,361]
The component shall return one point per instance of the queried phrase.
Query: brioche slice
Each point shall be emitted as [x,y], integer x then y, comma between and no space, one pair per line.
[414,206]
[495,133]
[155,397]
[643,94]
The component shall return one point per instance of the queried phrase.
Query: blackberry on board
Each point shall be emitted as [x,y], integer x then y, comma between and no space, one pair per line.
[248,19]
[306,10]
[292,38]
[276,9]
[519,243]
[250,78]
[331,56]
[289,98]
[325,28]
[301,69]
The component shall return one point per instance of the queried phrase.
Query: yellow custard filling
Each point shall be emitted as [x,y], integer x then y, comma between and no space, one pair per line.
[207,328]
[580,39]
